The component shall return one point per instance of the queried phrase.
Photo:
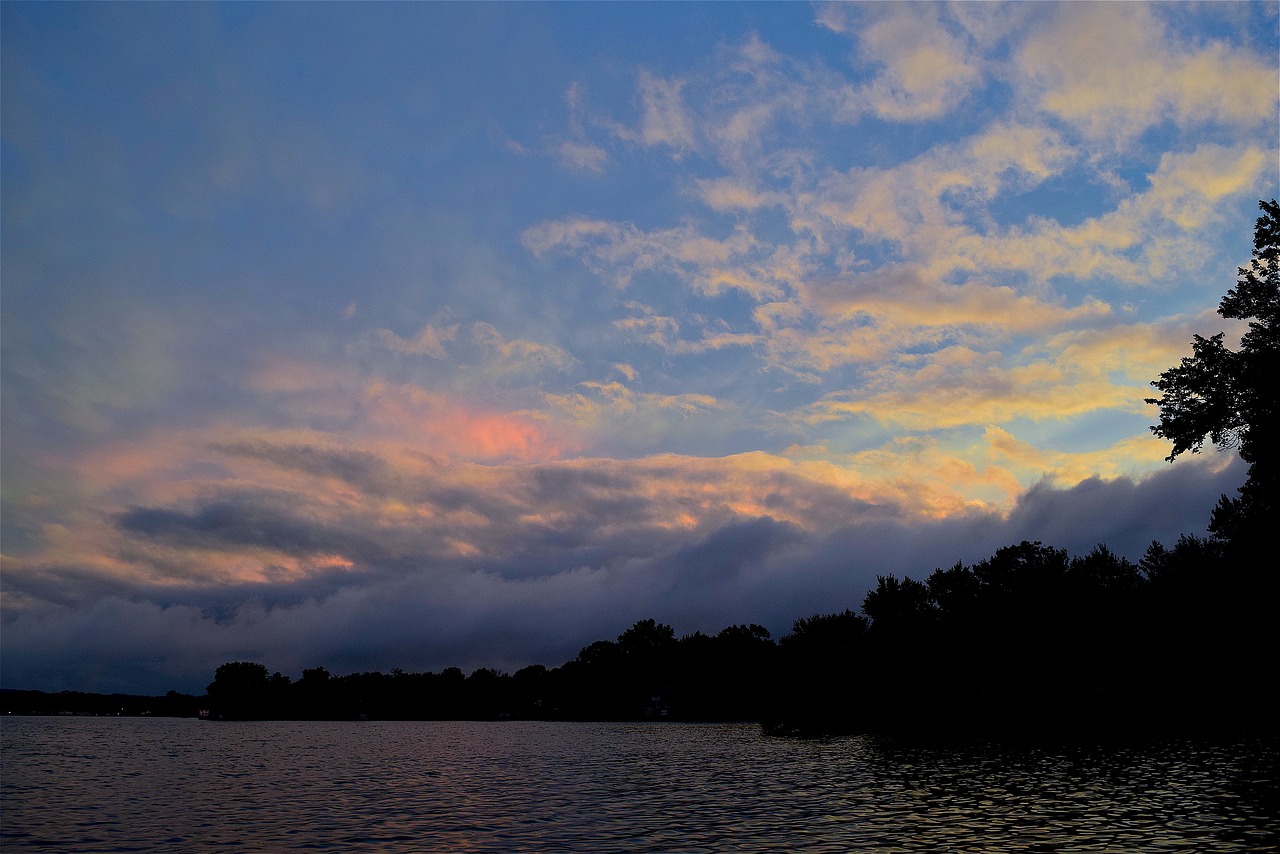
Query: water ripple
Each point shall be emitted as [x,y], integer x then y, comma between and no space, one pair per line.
[111,785]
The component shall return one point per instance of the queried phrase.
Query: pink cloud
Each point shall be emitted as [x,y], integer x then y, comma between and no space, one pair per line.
[444,426]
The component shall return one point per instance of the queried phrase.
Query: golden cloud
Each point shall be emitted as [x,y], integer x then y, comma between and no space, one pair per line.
[1113,70]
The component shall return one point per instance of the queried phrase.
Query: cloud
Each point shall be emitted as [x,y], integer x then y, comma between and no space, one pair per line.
[664,120]
[748,568]
[454,428]
[621,251]
[288,508]
[957,273]
[616,414]
[583,155]
[251,528]
[905,297]
[650,328]
[920,208]
[90,360]
[1071,68]
[918,203]
[1146,238]
[323,460]
[1118,512]
[733,193]
[665,333]
[957,386]
[1041,465]
[817,303]
[577,152]
[519,355]
[862,318]
[927,68]
[429,341]
[1139,351]
[1188,188]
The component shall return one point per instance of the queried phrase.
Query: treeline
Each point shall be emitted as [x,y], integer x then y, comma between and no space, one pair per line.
[171,705]
[1027,640]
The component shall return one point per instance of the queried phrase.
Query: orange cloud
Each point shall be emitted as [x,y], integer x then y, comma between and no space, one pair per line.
[286,505]
[444,426]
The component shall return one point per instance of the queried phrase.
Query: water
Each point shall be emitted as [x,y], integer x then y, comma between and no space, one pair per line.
[145,784]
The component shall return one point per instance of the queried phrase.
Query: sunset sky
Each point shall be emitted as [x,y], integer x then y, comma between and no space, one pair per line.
[464,334]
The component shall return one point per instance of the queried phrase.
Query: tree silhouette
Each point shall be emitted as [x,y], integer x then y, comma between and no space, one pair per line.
[723,677]
[818,672]
[1228,395]
[893,604]
[243,689]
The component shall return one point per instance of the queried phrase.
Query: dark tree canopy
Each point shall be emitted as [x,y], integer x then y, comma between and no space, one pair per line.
[1229,395]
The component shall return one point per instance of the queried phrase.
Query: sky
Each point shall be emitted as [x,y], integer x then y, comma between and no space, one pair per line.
[423,335]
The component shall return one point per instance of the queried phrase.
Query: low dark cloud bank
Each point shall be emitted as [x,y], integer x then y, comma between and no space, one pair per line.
[409,605]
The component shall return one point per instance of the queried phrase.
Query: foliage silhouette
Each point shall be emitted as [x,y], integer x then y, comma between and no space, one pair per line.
[1229,395]
[81,703]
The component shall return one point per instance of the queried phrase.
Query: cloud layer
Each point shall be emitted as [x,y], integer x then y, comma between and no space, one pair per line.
[438,336]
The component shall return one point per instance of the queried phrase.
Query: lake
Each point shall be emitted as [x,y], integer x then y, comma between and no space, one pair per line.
[160,784]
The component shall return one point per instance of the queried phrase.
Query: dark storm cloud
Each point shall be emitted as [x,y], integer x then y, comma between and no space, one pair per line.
[1122,513]
[359,468]
[244,521]
[64,586]
[609,490]
[431,613]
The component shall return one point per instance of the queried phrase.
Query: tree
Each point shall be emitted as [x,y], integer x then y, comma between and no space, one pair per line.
[242,689]
[239,678]
[1228,395]
[646,639]
[832,637]
[1021,572]
[819,666]
[1103,573]
[898,605]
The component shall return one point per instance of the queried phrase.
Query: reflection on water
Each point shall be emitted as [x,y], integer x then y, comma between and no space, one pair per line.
[113,784]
